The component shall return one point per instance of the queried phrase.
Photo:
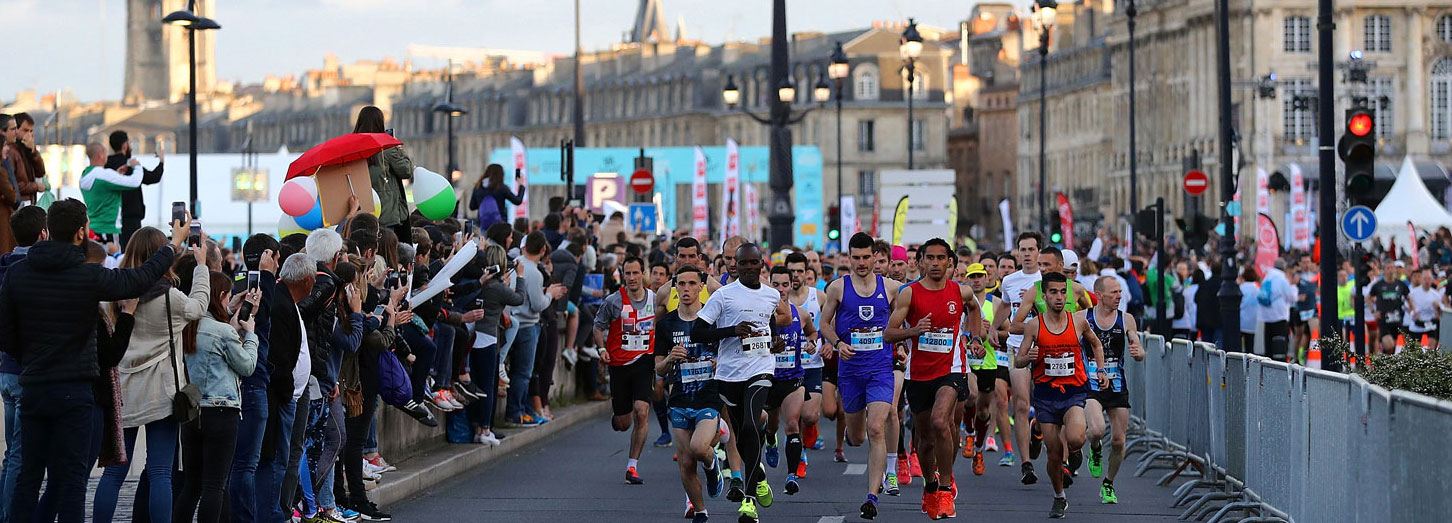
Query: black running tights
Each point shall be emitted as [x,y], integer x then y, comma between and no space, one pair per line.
[746,402]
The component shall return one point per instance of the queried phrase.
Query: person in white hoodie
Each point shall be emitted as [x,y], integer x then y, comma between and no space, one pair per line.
[1276,297]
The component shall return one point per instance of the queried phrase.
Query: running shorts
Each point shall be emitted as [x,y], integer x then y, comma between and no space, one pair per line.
[1050,405]
[631,383]
[986,378]
[922,394]
[813,381]
[1110,399]
[687,419]
[780,389]
[857,390]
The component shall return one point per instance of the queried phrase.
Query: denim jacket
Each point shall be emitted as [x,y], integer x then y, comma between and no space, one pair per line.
[222,358]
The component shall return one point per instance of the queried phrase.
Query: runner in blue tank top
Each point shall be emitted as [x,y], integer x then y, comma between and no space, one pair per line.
[853,326]
[788,392]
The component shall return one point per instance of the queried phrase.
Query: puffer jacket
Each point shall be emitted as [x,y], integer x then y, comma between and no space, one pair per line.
[148,383]
[387,171]
[222,358]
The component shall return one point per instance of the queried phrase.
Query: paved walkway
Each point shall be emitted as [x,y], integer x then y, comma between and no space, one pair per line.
[577,476]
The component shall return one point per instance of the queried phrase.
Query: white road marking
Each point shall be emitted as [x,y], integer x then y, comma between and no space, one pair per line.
[831,519]
[855,470]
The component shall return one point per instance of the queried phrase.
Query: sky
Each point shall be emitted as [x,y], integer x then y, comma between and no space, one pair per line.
[79,44]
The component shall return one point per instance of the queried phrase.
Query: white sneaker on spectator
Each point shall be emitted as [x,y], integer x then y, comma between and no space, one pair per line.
[503,375]
[370,469]
[378,461]
[438,400]
[370,474]
[449,396]
[590,353]
[570,357]
[486,439]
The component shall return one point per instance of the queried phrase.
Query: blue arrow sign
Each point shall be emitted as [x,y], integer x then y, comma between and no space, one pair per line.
[1358,223]
[642,217]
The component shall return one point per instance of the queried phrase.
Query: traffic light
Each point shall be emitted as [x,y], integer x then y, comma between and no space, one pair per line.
[1195,230]
[1056,230]
[1357,149]
[834,223]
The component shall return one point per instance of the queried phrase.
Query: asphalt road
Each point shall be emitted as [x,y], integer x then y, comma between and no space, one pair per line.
[578,475]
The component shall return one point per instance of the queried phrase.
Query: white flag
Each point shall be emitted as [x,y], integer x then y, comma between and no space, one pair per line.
[1007,225]
[522,176]
[731,194]
[700,217]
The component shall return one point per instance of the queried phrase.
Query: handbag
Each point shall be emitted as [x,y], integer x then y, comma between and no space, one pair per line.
[186,405]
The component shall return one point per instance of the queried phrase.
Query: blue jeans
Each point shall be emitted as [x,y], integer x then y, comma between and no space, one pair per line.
[243,481]
[506,339]
[10,392]
[56,439]
[269,473]
[521,367]
[443,355]
[482,365]
[161,440]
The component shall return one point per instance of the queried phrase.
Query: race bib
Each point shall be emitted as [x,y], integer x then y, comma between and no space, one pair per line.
[1002,357]
[695,371]
[756,346]
[937,341]
[636,343]
[866,341]
[1059,367]
[1116,380]
[786,360]
[1307,315]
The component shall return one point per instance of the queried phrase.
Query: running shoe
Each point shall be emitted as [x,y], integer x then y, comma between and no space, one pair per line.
[664,440]
[791,488]
[1068,478]
[370,475]
[420,413]
[736,492]
[869,507]
[802,466]
[773,456]
[350,514]
[438,400]
[1036,441]
[378,461]
[540,417]
[904,469]
[1076,459]
[946,507]
[690,509]
[370,469]
[464,393]
[819,444]
[839,457]
[458,403]
[967,447]
[929,505]
[1006,460]
[992,445]
[1029,477]
[763,494]
[337,515]
[713,479]
[320,517]
[917,470]
[1061,505]
[1107,494]
[632,478]
[747,512]
[1096,465]
[953,488]
[367,511]
[700,518]
[487,439]
[889,485]
[978,464]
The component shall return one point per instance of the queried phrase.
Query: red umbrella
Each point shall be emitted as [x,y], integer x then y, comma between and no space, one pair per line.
[343,149]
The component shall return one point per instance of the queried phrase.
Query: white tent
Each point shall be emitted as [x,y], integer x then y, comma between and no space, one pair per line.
[1409,201]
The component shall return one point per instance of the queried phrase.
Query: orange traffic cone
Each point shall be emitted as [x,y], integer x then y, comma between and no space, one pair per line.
[1401,343]
[1426,341]
[1313,355]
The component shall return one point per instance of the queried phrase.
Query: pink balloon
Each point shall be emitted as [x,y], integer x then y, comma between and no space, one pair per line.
[298,196]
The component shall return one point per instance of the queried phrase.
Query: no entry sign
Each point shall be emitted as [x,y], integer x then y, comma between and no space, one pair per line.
[1196,183]
[642,181]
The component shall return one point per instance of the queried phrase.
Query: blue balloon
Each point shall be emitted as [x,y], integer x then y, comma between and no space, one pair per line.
[313,219]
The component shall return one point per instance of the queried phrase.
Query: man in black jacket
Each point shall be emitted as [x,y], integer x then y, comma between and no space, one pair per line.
[48,313]
[260,254]
[133,206]
[284,352]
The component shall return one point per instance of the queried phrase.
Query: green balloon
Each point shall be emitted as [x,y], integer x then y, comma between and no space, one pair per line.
[438,206]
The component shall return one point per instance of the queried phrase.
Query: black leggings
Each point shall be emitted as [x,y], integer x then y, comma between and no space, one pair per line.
[746,402]
[207,448]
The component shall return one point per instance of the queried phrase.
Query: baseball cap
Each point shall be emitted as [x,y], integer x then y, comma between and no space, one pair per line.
[977,268]
[899,253]
[1070,258]
[1399,264]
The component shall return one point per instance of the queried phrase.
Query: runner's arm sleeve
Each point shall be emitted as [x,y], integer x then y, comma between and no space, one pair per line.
[704,332]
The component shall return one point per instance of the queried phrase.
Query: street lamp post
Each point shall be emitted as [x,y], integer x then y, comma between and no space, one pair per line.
[779,211]
[911,47]
[837,70]
[1130,13]
[451,111]
[1229,292]
[192,23]
[1045,12]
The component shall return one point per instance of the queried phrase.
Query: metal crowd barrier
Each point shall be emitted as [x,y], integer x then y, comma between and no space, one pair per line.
[1269,441]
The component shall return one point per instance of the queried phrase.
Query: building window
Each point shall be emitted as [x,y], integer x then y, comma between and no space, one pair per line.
[1444,28]
[866,193]
[1381,100]
[1299,124]
[1298,34]
[1378,38]
[866,83]
[865,141]
[920,135]
[1442,99]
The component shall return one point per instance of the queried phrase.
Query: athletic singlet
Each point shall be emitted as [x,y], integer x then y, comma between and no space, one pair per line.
[991,359]
[631,334]
[935,353]
[861,323]
[674,300]
[789,361]
[1060,362]
[813,307]
[1012,288]
[1114,341]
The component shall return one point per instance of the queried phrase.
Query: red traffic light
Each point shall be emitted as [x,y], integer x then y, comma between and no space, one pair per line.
[1360,124]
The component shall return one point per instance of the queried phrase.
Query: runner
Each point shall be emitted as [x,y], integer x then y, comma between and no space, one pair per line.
[903,472]
[1390,295]
[853,326]
[809,300]
[1117,334]
[990,377]
[1056,360]
[688,254]
[624,321]
[1012,290]
[694,402]
[740,317]
[787,392]
[1050,260]
[932,309]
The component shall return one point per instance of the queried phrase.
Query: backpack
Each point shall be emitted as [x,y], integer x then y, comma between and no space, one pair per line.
[393,384]
[489,212]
